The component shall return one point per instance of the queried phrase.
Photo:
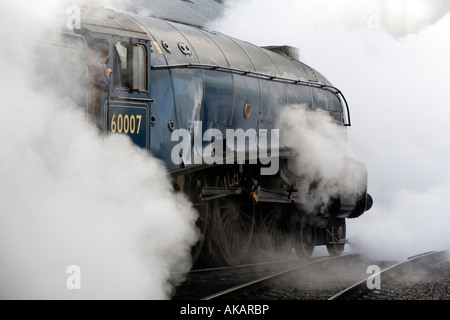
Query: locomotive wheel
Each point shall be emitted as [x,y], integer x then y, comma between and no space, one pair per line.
[276,229]
[193,187]
[304,241]
[233,220]
[336,234]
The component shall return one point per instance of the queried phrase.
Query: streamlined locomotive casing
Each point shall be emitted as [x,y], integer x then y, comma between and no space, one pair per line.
[209,83]
[208,79]
[199,75]
[174,82]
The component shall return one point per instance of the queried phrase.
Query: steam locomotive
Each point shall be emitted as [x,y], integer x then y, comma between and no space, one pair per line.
[207,105]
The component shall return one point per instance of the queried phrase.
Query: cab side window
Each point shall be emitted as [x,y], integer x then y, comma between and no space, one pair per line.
[121,65]
[139,68]
[130,66]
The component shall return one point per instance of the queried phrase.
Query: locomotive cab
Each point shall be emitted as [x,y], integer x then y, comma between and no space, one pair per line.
[125,107]
[128,106]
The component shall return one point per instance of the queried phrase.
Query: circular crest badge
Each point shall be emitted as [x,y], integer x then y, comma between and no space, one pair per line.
[247,109]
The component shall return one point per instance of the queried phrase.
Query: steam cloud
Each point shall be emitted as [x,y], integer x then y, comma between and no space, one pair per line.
[69,196]
[390,60]
[323,154]
[397,17]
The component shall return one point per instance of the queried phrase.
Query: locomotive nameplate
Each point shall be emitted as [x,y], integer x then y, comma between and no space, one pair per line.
[132,121]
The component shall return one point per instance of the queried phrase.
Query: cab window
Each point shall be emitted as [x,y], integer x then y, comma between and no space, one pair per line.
[130,67]
[121,65]
[139,68]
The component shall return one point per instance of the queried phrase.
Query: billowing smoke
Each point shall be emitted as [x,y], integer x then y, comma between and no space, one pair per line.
[198,12]
[279,20]
[323,155]
[390,59]
[398,17]
[82,216]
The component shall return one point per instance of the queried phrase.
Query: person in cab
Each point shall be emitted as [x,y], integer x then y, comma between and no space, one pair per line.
[99,77]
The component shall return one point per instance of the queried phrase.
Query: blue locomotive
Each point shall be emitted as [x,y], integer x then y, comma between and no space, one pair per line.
[207,105]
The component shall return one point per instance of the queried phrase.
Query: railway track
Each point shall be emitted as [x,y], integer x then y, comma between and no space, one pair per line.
[321,278]
[270,280]
[242,282]
[201,283]
[415,272]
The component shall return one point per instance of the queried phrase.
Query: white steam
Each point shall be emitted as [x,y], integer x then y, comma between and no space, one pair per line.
[69,196]
[281,19]
[323,153]
[393,69]
[398,17]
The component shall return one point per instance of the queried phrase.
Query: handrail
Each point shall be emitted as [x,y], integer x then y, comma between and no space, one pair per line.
[259,75]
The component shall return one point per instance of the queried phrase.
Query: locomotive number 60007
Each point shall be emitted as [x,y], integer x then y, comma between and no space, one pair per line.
[131,121]
[126,124]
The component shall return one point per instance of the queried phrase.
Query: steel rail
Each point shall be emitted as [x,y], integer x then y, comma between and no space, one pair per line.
[249,265]
[252,285]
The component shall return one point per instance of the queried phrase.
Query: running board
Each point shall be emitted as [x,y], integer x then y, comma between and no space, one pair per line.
[211,193]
